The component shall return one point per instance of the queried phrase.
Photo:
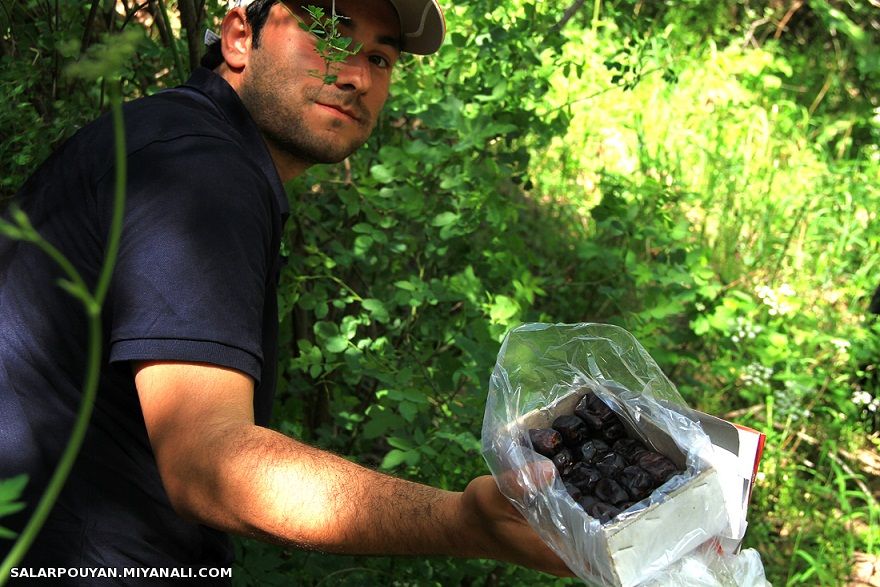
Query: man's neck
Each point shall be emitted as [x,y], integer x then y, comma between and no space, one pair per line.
[287,166]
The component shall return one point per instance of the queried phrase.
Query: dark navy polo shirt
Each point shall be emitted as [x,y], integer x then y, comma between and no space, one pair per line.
[195,281]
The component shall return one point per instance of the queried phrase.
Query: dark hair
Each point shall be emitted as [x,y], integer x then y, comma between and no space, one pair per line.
[257,14]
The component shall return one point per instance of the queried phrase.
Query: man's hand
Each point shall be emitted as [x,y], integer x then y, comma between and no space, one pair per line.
[222,470]
[507,536]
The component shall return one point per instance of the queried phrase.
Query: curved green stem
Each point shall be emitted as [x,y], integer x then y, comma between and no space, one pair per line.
[79,286]
[118,197]
[90,387]
[56,483]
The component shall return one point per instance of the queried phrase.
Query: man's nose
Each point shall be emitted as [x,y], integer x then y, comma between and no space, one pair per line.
[354,74]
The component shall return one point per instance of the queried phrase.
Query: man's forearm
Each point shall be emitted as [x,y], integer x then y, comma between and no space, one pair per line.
[221,470]
[258,482]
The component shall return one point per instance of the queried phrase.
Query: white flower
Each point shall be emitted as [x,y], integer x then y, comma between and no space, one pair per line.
[775,299]
[862,398]
[840,344]
[756,375]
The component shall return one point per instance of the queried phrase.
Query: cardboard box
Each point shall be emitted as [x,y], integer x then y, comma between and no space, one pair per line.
[711,503]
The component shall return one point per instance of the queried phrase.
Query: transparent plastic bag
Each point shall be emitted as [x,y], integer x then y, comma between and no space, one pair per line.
[541,372]
[709,567]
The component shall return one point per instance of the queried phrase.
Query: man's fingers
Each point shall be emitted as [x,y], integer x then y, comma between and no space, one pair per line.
[512,538]
[534,477]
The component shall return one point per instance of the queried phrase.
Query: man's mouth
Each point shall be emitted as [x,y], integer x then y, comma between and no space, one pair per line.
[342,110]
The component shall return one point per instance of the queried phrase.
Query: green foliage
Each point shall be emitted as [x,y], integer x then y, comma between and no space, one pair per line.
[46,50]
[331,46]
[741,250]
[704,174]
[10,492]
[108,57]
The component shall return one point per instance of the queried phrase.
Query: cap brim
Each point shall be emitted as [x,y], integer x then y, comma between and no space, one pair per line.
[422,25]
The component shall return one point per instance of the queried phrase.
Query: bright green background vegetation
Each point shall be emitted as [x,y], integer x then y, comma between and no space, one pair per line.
[704,174]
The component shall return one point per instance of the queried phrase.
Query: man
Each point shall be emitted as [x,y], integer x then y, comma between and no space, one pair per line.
[177,454]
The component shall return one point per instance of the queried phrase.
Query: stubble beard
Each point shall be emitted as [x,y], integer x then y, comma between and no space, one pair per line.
[285,128]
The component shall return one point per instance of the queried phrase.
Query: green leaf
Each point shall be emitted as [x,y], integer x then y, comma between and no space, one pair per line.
[376,309]
[498,92]
[382,173]
[445,219]
[7,534]
[427,450]
[408,410]
[408,395]
[10,508]
[336,344]
[503,309]
[10,489]
[465,440]
[401,443]
[700,326]
[779,340]
[10,492]
[324,329]
[380,422]
[362,244]
[412,457]
[321,310]
[394,458]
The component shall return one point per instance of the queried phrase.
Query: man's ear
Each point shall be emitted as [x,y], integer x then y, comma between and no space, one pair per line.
[235,36]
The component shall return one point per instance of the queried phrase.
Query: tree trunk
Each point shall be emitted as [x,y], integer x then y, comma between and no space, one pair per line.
[191,19]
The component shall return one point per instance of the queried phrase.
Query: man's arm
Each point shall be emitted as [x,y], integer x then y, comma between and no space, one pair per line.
[222,470]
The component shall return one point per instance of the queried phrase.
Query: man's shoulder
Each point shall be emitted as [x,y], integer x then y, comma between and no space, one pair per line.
[176,113]
[198,135]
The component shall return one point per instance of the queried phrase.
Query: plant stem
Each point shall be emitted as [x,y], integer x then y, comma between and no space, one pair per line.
[93,364]
[56,483]
[115,92]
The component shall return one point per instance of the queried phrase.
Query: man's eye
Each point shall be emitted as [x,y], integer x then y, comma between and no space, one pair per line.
[380,61]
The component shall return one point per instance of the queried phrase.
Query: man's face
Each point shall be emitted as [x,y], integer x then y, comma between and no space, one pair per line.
[282,88]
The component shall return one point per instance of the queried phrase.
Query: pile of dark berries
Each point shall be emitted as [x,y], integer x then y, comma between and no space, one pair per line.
[603,469]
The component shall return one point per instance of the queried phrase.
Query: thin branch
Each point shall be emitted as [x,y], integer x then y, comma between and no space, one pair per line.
[172,42]
[87,30]
[567,15]
[795,6]
[132,12]
[191,20]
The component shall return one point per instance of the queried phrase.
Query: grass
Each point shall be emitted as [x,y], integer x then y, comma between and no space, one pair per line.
[788,226]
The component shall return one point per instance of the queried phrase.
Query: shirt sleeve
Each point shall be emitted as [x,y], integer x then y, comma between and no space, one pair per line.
[191,276]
